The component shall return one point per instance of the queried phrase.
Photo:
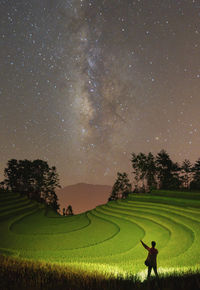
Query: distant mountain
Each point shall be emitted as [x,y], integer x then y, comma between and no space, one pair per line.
[83,196]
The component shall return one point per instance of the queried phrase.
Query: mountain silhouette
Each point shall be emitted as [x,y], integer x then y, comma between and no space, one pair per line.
[83,196]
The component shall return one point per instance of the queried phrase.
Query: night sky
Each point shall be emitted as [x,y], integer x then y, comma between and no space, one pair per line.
[83,84]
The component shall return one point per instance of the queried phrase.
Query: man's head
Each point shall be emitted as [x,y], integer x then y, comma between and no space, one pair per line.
[153,244]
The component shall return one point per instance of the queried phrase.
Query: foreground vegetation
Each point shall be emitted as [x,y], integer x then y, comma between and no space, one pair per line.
[99,249]
[21,274]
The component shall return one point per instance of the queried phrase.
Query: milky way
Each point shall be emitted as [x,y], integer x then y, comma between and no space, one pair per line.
[85,83]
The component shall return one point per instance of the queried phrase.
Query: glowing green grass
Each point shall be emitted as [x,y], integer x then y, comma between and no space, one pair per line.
[105,239]
[48,224]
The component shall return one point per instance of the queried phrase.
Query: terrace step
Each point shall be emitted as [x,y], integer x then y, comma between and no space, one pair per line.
[16,205]
[17,211]
[12,201]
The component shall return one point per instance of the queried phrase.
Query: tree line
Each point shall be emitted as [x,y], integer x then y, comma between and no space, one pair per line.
[157,172]
[35,179]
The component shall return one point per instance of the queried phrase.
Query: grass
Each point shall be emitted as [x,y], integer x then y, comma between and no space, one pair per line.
[103,243]
[23,274]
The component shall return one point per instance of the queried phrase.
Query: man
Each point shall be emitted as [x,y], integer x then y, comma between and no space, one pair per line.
[151,261]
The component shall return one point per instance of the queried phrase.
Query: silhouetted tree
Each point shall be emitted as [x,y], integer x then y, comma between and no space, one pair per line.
[114,192]
[125,186]
[139,166]
[151,171]
[52,200]
[2,185]
[186,170]
[69,210]
[195,183]
[167,171]
[144,170]
[121,188]
[34,178]
[136,171]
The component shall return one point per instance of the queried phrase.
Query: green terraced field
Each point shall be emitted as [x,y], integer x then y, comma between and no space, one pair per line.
[106,238]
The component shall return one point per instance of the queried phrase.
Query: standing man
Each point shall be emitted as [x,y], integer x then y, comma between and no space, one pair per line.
[151,260]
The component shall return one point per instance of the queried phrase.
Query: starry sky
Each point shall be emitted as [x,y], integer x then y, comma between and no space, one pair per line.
[83,84]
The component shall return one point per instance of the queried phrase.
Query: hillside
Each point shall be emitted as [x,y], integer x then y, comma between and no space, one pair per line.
[106,238]
[83,196]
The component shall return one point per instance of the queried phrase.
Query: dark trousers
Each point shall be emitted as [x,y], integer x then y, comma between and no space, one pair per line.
[155,270]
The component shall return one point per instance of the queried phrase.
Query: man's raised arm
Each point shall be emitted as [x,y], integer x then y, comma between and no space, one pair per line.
[144,245]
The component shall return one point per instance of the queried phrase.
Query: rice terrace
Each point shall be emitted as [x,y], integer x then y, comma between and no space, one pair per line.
[105,240]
